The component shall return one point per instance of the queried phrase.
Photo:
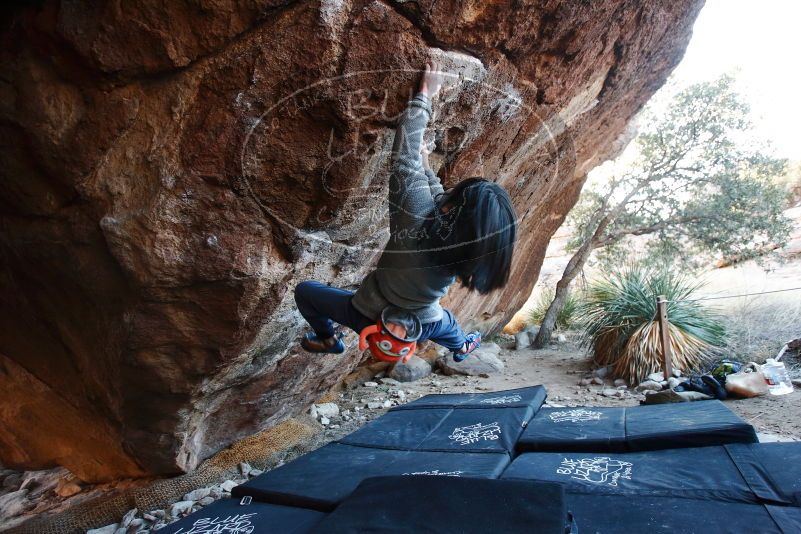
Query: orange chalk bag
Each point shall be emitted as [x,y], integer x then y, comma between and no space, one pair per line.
[394,337]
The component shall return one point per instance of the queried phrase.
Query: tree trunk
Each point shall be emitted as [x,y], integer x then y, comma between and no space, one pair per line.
[574,266]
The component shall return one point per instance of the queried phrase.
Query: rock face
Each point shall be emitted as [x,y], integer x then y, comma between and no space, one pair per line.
[170,170]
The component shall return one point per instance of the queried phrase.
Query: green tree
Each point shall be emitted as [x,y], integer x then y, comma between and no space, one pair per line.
[699,186]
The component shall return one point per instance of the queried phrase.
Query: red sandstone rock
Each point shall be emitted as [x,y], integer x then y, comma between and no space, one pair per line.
[170,170]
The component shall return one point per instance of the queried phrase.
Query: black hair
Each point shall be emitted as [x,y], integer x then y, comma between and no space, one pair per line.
[475,239]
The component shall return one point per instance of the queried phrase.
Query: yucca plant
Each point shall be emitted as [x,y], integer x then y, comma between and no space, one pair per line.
[618,321]
[566,316]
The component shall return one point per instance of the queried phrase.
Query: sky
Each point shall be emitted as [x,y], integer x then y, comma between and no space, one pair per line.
[759,42]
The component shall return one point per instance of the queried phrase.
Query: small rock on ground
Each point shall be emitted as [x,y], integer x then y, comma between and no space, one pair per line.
[180,508]
[327,409]
[411,371]
[197,494]
[673,382]
[67,488]
[128,518]
[228,485]
[656,377]
[649,385]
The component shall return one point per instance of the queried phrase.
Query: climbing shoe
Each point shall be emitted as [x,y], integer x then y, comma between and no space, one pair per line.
[314,343]
[473,340]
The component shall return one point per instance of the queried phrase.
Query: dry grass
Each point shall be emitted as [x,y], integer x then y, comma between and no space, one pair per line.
[759,326]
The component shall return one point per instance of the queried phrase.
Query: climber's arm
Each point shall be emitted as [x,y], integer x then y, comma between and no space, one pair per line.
[433,180]
[410,198]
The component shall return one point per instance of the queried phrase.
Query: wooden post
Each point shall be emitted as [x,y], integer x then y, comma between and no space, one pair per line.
[664,334]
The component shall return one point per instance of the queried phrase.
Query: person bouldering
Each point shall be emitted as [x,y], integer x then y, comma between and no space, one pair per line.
[437,236]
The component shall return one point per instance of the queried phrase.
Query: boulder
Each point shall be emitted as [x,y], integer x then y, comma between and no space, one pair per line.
[478,362]
[14,503]
[171,173]
[415,369]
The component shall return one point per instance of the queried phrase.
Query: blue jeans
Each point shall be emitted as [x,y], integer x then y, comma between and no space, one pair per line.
[323,305]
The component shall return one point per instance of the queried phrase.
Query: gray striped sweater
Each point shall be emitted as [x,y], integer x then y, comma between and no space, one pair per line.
[402,277]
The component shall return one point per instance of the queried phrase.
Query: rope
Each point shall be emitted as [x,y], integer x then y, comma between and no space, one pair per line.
[741,295]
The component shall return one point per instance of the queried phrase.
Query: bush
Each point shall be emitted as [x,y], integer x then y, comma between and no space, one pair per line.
[565,318]
[619,323]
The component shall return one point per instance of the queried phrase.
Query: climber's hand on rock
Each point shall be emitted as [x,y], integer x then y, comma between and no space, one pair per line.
[432,79]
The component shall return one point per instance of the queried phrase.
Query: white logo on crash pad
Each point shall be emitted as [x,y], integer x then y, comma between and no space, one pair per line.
[232,524]
[575,416]
[466,435]
[508,399]
[601,470]
[437,473]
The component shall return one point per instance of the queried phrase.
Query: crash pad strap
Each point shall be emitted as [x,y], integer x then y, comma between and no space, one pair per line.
[754,473]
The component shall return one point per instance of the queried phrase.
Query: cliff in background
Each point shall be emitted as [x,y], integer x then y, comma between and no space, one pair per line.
[170,170]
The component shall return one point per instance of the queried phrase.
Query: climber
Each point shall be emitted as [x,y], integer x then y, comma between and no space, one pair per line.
[437,236]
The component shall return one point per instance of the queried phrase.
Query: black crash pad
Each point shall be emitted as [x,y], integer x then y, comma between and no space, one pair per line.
[445,429]
[627,514]
[422,504]
[528,397]
[765,473]
[637,428]
[323,478]
[229,516]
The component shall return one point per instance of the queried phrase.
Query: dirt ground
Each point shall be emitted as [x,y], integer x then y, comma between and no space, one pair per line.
[559,369]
